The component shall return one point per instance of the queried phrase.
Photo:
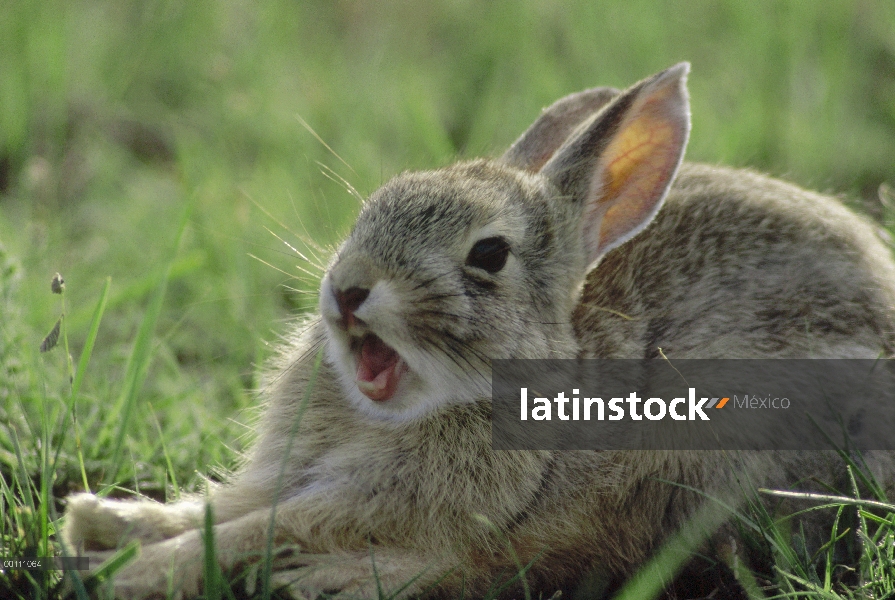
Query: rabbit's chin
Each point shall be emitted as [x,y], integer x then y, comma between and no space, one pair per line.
[382,383]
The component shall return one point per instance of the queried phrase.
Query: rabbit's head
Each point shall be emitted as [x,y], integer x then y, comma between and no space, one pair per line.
[446,270]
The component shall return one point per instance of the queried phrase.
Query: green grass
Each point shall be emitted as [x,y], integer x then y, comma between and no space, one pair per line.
[120,120]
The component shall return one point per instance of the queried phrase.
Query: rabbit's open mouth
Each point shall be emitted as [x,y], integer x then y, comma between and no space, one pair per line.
[379,369]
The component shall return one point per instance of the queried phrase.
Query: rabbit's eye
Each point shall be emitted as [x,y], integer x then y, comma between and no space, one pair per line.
[489,254]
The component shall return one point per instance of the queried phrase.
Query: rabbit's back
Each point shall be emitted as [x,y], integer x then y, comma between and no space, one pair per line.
[739,265]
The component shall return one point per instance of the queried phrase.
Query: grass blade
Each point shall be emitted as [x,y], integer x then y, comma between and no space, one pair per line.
[141,356]
[91,338]
[78,378]
[114,564]
[212,572]
[268,552]
[651,578]
[161,437]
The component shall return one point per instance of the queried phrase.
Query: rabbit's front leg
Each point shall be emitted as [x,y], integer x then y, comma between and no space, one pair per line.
[378,572]
[177,563]
[175,567]
[93,523]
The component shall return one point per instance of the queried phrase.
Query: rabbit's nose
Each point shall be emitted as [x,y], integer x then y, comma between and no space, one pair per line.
[349,301]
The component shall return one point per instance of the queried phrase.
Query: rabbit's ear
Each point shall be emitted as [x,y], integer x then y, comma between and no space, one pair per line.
[554,126]
[620,164]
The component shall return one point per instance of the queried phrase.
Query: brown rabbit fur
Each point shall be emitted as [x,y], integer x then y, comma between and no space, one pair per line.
[558,249]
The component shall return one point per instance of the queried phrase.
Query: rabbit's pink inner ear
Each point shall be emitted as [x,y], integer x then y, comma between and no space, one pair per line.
[636,167]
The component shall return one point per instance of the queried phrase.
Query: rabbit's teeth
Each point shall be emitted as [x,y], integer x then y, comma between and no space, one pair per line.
[379,369]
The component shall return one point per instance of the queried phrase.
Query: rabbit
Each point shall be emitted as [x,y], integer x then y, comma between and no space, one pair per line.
[373,471]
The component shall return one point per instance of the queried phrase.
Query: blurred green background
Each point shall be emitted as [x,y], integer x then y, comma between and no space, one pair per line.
[116,115]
